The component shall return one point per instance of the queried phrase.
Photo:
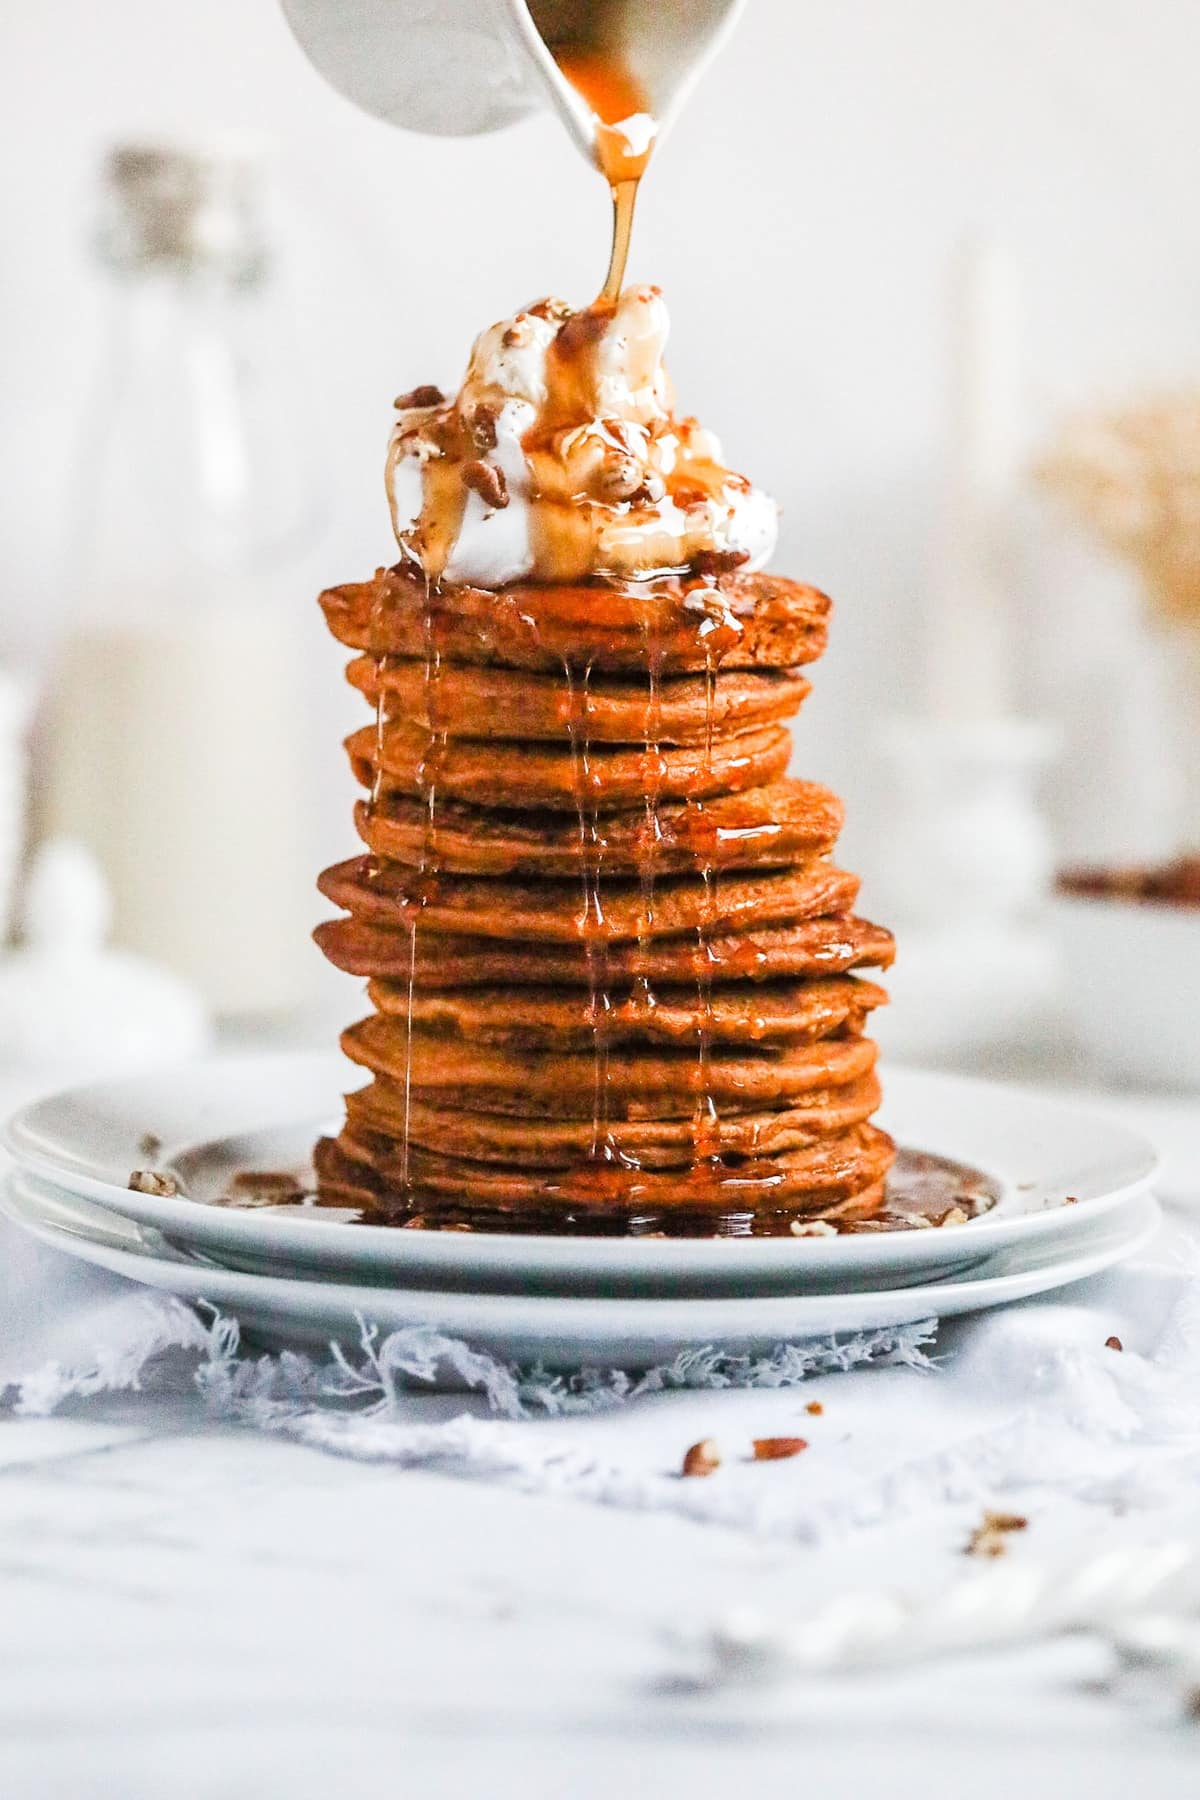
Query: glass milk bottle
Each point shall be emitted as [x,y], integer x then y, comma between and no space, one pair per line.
[174,734]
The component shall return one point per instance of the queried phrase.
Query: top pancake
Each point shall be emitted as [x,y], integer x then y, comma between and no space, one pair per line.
[677,624]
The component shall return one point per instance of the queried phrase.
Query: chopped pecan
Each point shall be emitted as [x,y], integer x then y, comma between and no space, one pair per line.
[619,478]
[990,1537]
[581,329]
[776,1449]
[1113,1343]
[719,562]
[480,425]
[419,397]
[265,1187]
[553,311]
[702,1459]
[150,1181]
[486,480]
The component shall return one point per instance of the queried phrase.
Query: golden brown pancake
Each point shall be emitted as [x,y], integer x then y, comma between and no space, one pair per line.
[706,1211]
[651,1083]
[553,911]
[676,623]
[827,945]
[481,702]
[646,1143]
[538,1018]
[767,827]
[539,775]
[833,1170]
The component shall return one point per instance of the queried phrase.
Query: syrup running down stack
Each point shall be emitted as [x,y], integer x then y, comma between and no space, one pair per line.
[612,967]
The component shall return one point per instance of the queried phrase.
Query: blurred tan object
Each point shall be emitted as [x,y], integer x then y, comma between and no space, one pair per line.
[174,731]
[14,720]
[1133,478]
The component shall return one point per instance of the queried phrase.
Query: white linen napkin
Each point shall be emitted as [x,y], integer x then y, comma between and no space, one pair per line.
[1028,1397]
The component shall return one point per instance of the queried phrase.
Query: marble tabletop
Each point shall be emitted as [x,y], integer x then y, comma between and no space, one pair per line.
[191,1610]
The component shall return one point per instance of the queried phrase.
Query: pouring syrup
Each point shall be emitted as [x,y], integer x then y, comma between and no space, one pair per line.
[625,133]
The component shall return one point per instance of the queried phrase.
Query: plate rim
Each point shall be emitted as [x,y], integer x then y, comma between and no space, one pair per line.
[446,1250]
[1131,1235]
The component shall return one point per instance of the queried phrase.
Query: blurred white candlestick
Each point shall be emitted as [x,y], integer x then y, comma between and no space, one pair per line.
[971,625]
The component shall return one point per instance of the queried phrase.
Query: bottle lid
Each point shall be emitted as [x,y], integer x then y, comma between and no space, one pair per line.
[190,205]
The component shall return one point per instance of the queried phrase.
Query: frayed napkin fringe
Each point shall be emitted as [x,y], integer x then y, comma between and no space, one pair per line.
[392,1373]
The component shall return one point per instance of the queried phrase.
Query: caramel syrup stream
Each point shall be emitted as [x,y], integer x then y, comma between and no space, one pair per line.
[706,1125]
[624,194]
[625,130]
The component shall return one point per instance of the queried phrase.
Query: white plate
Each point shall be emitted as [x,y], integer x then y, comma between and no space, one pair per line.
[222,1115]
[564,1331]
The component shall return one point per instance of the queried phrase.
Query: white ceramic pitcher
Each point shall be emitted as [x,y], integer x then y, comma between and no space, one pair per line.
[458,67]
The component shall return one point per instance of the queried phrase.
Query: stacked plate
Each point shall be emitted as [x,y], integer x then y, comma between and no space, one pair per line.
[1071,1198]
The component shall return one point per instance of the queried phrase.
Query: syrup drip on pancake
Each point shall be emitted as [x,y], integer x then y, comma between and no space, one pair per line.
[592,923]
[706,1125]
[642,998]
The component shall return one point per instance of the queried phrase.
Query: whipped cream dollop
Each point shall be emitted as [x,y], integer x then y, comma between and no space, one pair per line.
[561,458]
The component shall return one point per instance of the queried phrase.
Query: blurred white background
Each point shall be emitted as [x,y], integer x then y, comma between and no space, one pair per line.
[801,220]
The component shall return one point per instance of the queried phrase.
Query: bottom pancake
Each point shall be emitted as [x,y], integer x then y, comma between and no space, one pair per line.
[841,1179]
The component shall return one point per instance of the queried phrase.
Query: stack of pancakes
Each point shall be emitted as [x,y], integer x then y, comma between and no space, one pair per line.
[610,961]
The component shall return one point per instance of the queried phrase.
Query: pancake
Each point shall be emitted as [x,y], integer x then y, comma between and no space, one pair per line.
[551,912]
[634,1083]
[346,1182]
[483,702]
[535,775]
[679,624]
[827,945]
[537,1018]
[766,827]
[832,1171]
[645,1143]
